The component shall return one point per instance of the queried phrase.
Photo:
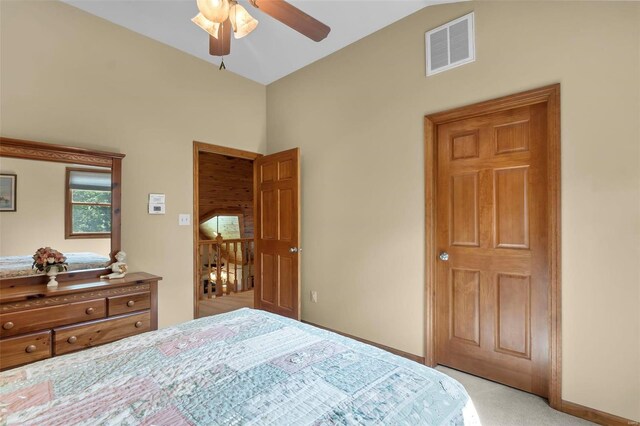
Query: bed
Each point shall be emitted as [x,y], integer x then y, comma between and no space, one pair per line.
[20,266]
[245,367]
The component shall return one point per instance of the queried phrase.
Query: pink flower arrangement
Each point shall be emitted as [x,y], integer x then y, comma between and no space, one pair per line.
[47,258]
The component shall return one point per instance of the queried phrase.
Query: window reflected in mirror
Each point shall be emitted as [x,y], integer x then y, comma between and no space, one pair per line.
[88,210]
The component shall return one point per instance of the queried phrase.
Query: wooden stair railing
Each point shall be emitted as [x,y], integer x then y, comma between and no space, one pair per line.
[214,264]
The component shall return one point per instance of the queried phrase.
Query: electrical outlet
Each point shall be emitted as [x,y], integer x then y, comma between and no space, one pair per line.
[314,296]
[184,219]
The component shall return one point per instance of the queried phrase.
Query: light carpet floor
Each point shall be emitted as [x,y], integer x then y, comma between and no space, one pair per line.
[500,405]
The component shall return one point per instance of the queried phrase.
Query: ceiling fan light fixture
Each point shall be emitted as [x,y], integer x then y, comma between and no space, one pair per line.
[220,17]
[210,27]
[214,10]
[242,22]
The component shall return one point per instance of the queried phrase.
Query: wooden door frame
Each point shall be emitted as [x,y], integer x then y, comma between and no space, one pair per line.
[551,96]
[199,147]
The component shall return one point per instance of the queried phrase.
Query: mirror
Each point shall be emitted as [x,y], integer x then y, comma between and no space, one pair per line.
[69,206]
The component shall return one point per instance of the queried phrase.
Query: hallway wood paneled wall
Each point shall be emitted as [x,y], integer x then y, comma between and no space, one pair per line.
[226,185]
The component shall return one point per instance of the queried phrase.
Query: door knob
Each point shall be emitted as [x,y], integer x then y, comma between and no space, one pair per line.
[294,250]
[444,256]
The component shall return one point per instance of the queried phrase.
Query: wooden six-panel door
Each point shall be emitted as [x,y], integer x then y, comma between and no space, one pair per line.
[492,277]
[277,223]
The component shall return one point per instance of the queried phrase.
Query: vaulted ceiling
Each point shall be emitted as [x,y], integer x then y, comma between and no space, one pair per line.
[270,52]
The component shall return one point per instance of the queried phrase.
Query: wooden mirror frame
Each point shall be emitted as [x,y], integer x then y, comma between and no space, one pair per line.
[29,150]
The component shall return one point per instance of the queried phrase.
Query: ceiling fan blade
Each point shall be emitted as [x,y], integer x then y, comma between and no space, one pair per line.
[221,46]
[294,18]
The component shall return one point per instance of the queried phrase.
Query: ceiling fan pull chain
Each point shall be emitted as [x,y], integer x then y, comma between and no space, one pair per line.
[222,66]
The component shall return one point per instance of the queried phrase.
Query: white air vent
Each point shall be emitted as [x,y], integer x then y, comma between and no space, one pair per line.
[450,45]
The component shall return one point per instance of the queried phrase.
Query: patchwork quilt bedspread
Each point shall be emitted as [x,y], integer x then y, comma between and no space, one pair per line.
[246,367]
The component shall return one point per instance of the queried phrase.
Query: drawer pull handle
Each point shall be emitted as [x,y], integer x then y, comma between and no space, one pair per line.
[130,303]
[138,324]
[8,325]
[30,348]
[72,339]
[89,311]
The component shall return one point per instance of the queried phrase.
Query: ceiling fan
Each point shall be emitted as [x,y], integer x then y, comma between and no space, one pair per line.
[221,17]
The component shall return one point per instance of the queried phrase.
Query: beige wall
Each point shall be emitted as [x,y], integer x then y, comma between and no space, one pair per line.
[358,117]
[39,218]
[69,77]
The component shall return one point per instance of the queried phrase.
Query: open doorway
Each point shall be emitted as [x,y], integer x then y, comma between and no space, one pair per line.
[223,226]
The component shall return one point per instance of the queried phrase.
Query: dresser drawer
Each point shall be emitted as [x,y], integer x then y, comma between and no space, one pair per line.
[82,336]
[129,303]
[16,351]
[39,319]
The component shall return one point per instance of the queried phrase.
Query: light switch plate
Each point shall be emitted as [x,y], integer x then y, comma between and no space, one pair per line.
[184,219]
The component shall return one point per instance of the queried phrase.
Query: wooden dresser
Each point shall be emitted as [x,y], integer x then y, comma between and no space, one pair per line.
[38,323]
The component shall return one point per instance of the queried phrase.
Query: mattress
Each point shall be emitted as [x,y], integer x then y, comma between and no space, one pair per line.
[20,266]
[245,367]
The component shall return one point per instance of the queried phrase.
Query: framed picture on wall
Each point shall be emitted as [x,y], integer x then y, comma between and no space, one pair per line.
[8,192]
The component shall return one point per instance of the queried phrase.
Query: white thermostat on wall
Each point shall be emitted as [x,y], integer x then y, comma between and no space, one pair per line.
[156,204]
[156,198]
[156,208]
